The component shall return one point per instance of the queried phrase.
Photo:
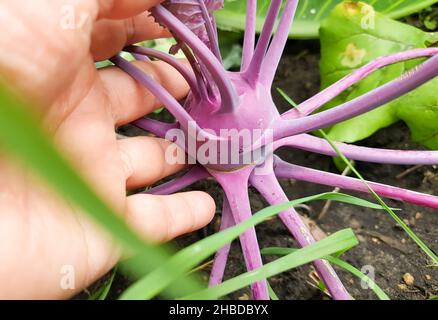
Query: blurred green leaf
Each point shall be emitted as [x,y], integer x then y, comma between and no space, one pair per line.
[310,13]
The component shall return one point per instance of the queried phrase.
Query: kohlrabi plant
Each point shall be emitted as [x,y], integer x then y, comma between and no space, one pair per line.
[229,126]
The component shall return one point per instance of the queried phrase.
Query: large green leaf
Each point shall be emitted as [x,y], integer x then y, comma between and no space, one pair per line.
[22,137]
[310,13]
[346,45]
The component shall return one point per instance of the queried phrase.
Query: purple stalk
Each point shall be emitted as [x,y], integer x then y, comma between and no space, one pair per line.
[250,34]
[195,174]
[272,60]
[290,171]
[235,185]
[367,102]
[253,71]
[163,95]
[400,157]
[337,88]
[205,56]
[197,70]
[171,60]
[221,257]
[271,190]
[213,40]
[155,127]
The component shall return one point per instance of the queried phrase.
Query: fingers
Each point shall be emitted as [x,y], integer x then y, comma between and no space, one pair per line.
[121,9]
[145,161]
[129,100]
[162,218]
[111,36]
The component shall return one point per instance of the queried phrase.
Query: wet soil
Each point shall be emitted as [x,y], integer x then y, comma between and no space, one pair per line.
[383,245]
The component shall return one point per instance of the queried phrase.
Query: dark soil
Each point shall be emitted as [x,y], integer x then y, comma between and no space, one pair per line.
[383,245]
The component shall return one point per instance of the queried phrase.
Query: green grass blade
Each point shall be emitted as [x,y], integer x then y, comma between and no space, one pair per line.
[397,219]
[188,258]
[102,292]
[336,261]
[21,136]
[272,293]
[339,241]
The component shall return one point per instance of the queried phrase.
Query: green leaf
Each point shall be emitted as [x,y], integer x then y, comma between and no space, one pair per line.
[336,261]
[310,13]
[22,137]
[341,240]
[347,45]
[185,260]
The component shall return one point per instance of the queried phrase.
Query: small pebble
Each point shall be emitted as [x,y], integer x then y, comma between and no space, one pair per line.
[428,277]
[244,297]
[402,286]
[408,279]
[418,216]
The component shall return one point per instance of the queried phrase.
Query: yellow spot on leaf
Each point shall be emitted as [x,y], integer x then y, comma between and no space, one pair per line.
[352,56]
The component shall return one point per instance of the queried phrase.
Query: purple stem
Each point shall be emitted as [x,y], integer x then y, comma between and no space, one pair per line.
[367,102]
[272,59]
[253,71]
[271,190]
[337,88]
[195,174]
[235,185]
[212,36]
[250,33]
[400,157]
[226,89]
[196,69]
[165,97]
[221,257]
[185,72]
[290,171]
[155,127]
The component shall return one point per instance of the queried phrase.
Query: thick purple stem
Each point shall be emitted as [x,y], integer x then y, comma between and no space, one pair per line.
[212,36]
[337,88]
[290,171]
[269,187]
[155,127]
[205,56]
[253,71]
[400,157]
[235,185]
[181,68]
[273,56]
[367,102]
[194,175]
[221,257]
[250,34]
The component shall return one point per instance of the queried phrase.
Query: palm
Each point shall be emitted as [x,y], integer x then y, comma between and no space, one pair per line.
[51,234]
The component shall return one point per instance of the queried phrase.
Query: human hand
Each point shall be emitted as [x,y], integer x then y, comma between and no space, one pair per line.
[49,58]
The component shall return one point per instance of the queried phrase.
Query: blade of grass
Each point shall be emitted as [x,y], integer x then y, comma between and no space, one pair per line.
[272,293]
[397,219]
[21,136]
[102,292]
[185,260]
[338,241]
[336,261]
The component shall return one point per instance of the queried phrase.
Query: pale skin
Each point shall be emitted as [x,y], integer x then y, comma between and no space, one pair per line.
[51,63]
